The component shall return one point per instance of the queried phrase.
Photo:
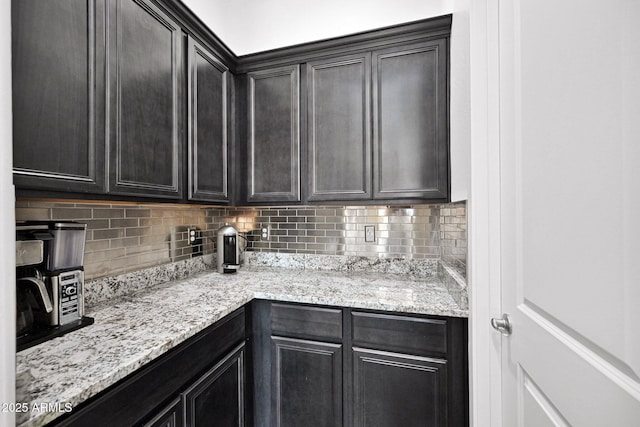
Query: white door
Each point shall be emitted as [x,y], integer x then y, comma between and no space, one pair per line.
[570,211]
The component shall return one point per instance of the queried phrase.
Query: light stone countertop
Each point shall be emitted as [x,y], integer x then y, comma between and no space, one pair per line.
[134,330]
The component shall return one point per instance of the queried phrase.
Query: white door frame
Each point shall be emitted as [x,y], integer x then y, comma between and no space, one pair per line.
[7,225]
[484,218]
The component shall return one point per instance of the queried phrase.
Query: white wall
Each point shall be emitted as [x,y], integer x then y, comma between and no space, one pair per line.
[7,225]
[257,25]
[460,128]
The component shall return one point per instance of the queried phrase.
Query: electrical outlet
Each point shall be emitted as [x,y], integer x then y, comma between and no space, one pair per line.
[369,233]
[264,232]
[192,236]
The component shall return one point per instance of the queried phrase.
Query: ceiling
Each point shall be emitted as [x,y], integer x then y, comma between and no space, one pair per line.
[249,26]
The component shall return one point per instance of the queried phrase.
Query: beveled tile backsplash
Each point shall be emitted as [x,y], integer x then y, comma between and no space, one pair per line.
[453,235]
[124,237]
[411,232]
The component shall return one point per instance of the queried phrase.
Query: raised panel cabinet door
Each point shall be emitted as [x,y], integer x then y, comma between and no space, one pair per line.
[207,113]
[393,389]
[58,94]
[217,398]
[339,123]
[306,383]
[145,90]
[410,122]
[273,105]
[170,416]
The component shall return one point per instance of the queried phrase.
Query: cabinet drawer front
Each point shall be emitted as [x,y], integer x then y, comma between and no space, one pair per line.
[298,320]
[399,333]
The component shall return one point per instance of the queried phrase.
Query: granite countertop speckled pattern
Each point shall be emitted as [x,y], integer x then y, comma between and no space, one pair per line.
[134,330]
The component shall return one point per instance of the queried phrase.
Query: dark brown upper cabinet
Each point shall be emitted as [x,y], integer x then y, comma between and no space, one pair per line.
[137,99]
[375,119]
[273,134]
[145,100]
[58,95]
[410,122]
[208,110]
[339,128]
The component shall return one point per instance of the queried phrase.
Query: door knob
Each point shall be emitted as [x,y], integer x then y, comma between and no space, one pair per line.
[502,325]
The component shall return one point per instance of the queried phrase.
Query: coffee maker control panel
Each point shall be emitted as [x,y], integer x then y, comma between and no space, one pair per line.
[70,286]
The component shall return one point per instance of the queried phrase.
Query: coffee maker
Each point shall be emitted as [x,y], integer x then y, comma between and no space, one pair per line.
[49,280]
[228,250]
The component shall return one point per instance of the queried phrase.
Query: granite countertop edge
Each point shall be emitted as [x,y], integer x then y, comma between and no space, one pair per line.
[208,297]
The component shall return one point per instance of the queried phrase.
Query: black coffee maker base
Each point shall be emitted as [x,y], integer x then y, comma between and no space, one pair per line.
[42,334]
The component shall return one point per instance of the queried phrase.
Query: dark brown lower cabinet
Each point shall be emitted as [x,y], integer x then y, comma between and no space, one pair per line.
[329,366]
[289,365]
[217,398]
[393,389]
[199,383]
[307,383]
[171,416]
